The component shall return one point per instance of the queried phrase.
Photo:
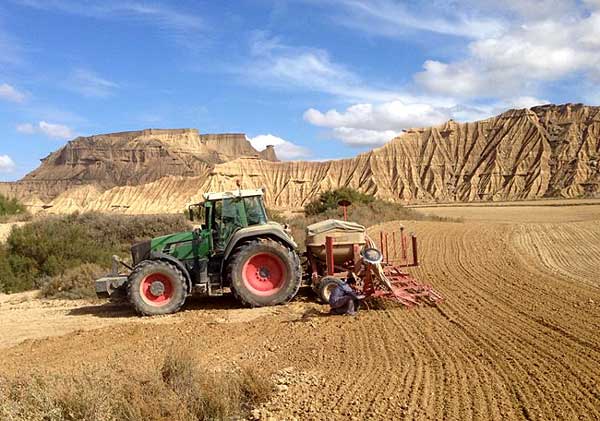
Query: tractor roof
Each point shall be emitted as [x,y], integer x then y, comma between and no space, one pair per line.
[232,193]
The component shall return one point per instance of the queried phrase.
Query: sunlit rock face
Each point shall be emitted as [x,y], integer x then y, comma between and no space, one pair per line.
[546,151]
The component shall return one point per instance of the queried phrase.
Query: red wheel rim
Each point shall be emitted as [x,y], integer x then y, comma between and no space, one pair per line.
[264,274]
[156,289]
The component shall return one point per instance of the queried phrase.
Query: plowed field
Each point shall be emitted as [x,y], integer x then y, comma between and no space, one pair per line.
[517,337]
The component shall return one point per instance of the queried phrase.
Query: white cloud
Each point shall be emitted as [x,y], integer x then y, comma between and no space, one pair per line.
[284,149]
[393,18]
[53,130]
[519,61]
[90,84]
[522,102]
[394,115]
[7,165]
[59,131]
[10,93]
[374,125]
[26,128]
[162,16]
[362,137]
[276,64]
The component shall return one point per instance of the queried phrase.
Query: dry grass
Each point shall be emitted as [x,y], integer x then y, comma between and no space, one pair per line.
[74,283]
[178,390]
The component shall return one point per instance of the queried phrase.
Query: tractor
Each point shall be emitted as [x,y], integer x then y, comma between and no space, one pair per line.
[234,247]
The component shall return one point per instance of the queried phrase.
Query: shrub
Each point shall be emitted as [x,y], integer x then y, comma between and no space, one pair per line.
[47,248]
[12,210]
[178,390]
[10,206]
[329,200]
[214,394]
[74,283]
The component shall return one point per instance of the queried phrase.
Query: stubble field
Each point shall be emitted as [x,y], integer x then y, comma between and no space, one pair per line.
[517,336]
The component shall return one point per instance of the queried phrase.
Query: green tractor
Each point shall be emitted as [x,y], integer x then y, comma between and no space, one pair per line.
[236,247]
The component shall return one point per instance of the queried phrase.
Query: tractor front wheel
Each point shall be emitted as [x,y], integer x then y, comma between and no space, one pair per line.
[264,273]
[156,287]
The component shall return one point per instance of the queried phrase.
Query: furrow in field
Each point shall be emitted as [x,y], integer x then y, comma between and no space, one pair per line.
[568,250]
[476,292]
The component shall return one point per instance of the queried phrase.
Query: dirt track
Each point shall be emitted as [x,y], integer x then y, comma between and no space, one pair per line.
[516,338]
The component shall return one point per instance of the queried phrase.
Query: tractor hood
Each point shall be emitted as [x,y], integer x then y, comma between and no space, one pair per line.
[141,251]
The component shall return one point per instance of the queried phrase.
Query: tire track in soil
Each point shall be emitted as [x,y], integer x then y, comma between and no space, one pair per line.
[570,250]
[547,355]
[519,324]
[473,348]
[430,344]
[536,394]
[488,394]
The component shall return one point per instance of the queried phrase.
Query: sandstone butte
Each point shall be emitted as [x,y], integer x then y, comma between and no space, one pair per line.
[542,152]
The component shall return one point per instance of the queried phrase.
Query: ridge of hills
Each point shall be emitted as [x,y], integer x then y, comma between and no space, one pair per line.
[542,152]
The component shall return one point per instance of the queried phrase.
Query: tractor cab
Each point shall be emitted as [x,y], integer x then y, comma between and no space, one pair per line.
[222,214]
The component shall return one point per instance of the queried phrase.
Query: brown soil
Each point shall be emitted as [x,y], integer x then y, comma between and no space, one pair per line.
[516,338]
[525,212]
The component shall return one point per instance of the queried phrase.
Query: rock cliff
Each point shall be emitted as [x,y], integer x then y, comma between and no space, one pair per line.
[130,158]
[546,151]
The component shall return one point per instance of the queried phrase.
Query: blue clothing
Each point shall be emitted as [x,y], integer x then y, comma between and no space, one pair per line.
[342,299]
[345,305]
[341,291]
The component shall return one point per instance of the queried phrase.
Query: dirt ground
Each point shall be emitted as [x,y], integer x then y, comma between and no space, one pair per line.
[517,336]
[559,211]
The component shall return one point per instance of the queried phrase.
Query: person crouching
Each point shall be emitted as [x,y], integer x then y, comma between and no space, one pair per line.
[343,299]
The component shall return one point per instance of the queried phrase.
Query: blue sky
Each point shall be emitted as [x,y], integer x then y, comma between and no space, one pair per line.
[319,79]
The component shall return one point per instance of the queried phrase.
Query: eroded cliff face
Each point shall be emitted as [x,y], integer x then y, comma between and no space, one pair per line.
[548,151]
[130,159]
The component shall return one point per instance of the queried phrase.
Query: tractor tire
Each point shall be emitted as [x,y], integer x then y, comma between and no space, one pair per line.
[325,287]
[156,287]
[264,273]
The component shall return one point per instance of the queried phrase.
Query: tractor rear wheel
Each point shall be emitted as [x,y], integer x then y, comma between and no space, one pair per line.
[264,273]
[156,287]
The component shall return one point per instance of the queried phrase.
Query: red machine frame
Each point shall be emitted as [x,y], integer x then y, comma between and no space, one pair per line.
[400,286]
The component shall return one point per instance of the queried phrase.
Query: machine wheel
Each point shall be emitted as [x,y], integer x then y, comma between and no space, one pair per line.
[156,287]
[326,286]
[264,273]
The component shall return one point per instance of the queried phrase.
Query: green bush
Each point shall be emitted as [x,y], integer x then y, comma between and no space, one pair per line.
[10,206]
[12,210]
[48,247]
[329,200]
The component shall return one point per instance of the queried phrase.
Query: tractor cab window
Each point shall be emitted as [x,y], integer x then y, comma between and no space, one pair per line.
[196,213]
[255,213]
[233,213]
[227,220]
